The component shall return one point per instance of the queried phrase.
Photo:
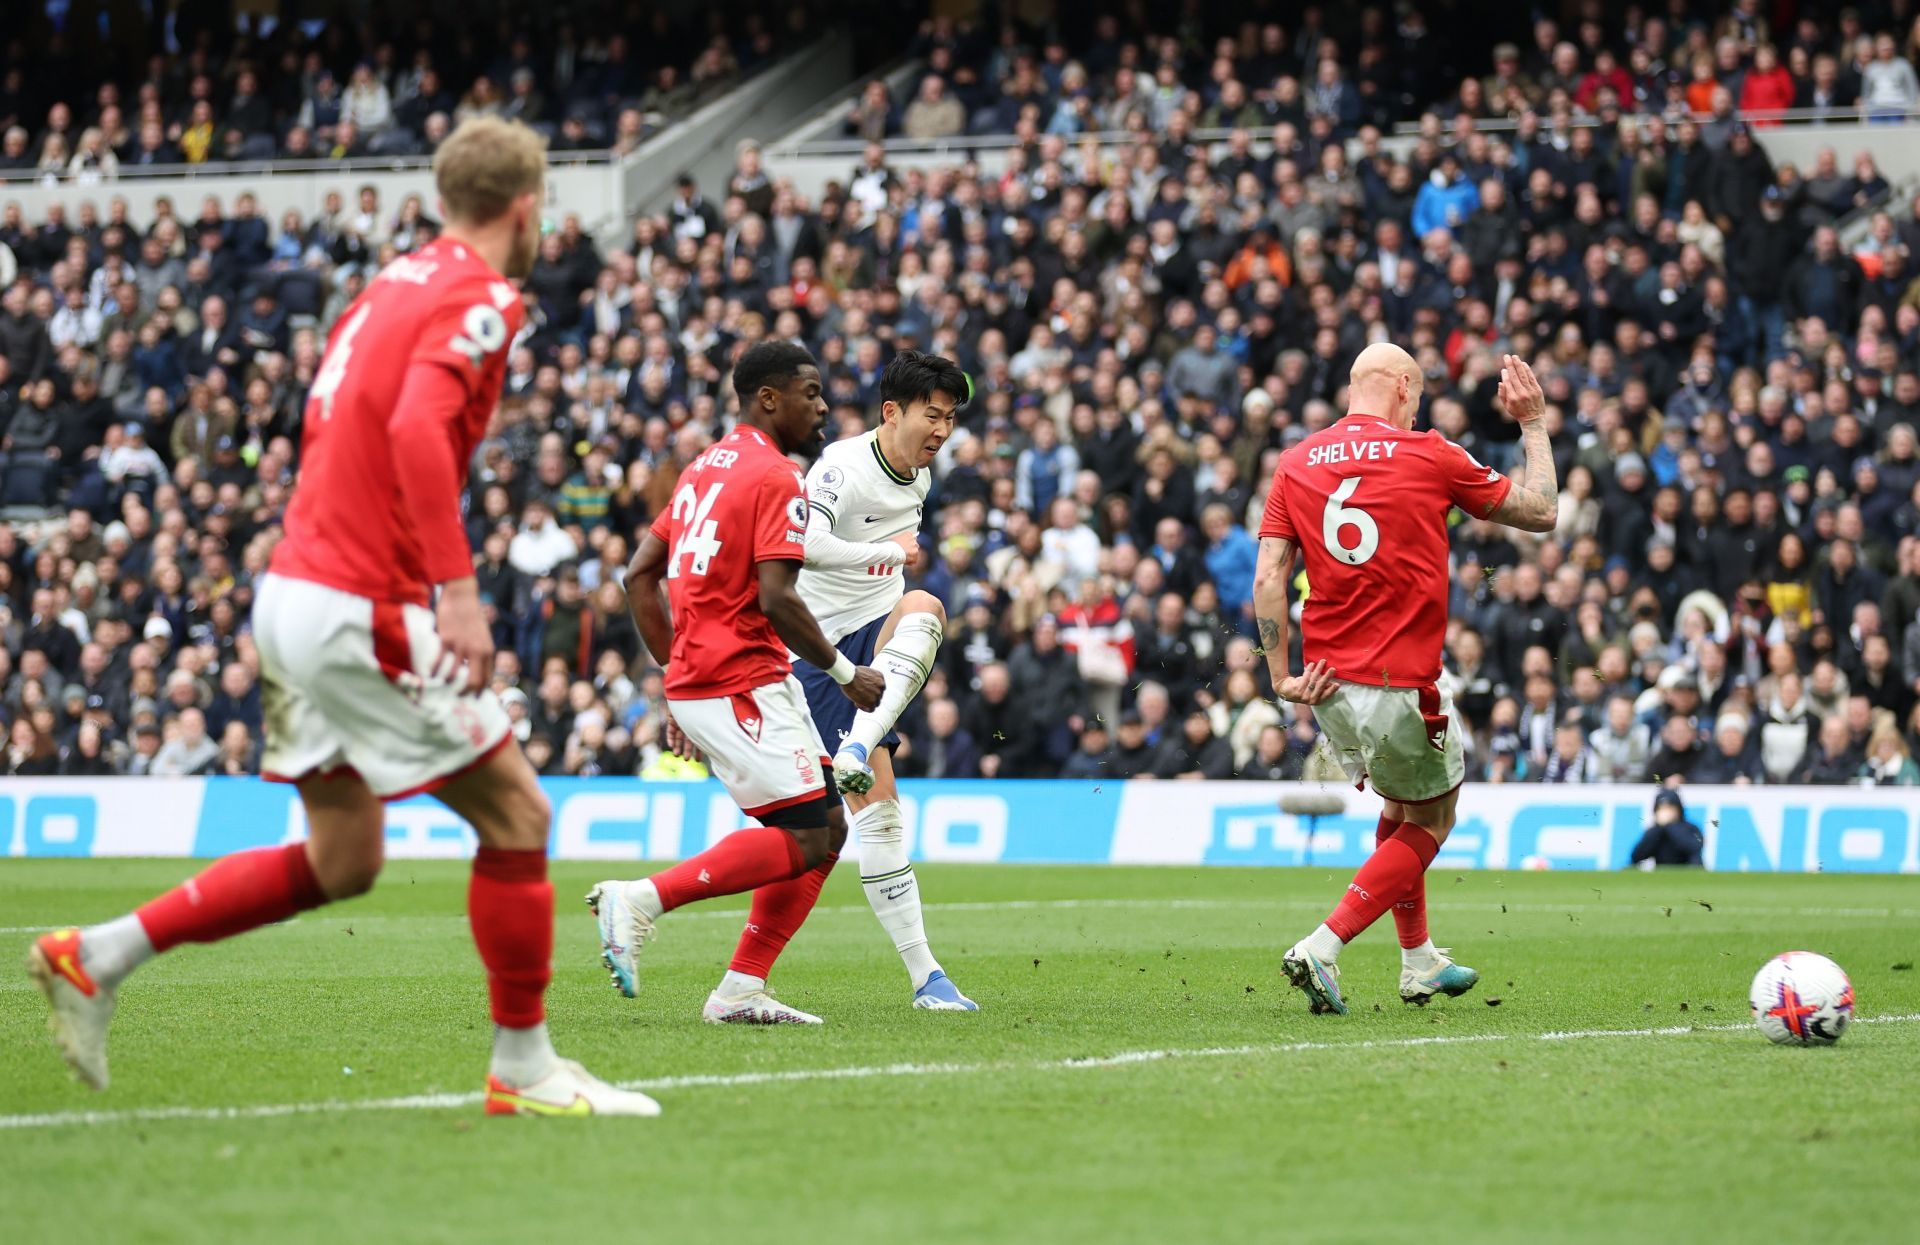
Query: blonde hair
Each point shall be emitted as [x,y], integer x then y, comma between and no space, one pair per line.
[487,163]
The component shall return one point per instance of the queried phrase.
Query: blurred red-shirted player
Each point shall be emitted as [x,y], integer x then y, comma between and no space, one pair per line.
[370,691]
[1366,502]
[728,552]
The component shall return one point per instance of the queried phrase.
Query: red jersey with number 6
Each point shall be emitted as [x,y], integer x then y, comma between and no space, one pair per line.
[410,377]
[1367,504]
[740,503]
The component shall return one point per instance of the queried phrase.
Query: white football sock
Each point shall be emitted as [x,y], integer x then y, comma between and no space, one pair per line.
[1325,944]
[733,985]
[905,662]
[111,950]
[645,896]
[1422,958]
[891,887]
[522,1056]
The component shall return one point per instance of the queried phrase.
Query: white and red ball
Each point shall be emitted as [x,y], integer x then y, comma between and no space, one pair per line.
[1801,999]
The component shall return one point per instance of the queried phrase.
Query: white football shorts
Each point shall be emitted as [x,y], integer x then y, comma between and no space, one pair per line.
[1401,739]
[761,743]
[344,686]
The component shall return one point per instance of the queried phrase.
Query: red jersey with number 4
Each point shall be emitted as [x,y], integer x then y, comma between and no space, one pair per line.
[411,375]
[740,503]
[1367,504]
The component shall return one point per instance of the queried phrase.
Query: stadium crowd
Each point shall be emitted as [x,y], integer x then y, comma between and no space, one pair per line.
[391,87]
[1732,594]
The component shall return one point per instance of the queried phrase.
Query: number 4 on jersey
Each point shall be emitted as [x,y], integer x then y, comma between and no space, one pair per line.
[1337,516]
[333,368]
[699,535]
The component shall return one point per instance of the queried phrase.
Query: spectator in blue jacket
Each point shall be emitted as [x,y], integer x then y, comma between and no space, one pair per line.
[1231,554]
[1446,201]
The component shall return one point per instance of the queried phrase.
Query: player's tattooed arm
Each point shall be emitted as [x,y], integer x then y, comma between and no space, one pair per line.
[645,599]
[1271,569]
[1533,503]
[1270,573]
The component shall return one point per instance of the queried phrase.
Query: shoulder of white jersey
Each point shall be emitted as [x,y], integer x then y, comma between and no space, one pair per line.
[838,474]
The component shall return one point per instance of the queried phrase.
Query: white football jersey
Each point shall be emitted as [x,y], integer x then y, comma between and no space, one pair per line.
[867,502]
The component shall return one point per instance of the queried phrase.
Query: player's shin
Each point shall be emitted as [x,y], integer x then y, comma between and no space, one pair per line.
[510,908]
[1410,910]
[231,896]
[1394,866]
[778,912]
[905,662]
[892,889]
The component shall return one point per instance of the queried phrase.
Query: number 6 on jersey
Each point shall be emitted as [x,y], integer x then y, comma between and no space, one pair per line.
[1337,516]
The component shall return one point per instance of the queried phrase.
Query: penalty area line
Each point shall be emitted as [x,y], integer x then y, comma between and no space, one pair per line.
[1121,1059]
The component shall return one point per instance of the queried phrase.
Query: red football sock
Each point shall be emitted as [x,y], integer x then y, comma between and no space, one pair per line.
[233,895]
[1410,910]
[510,907]
[745,860]
[778,912]
[1394,866]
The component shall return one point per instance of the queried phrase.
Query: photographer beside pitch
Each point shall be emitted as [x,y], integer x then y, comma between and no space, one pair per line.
[1365,501]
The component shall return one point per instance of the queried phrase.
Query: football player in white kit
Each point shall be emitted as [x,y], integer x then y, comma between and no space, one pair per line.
[866,495]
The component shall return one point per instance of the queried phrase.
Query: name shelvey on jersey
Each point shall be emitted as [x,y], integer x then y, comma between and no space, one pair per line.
[866,501]
[1366,504]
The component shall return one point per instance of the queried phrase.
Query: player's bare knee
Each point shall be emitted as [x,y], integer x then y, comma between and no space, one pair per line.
[529,820]
[836,829]
[346,868]
[920,602]
[816,843]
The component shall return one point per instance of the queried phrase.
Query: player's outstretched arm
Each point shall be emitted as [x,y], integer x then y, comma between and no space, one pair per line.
[1532,504]
[825,551]
[645,600]
[1271,568]
[800,631]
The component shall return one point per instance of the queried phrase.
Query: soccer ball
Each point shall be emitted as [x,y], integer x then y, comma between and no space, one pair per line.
[1801,999]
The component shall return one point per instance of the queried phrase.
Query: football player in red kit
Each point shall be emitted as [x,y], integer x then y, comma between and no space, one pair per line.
[1365,501]
[372,690]
[728,554]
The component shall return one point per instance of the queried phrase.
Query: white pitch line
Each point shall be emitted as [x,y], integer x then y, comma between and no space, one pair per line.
[1636,908]
[1121,1059]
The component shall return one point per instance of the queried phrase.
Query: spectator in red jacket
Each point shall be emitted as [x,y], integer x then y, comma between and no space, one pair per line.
[1607,74]
[1768,86]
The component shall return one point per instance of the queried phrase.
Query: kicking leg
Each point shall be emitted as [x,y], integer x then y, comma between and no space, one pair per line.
[510,909]
[893,890]
[1397,865]
[80,970]
[904,655]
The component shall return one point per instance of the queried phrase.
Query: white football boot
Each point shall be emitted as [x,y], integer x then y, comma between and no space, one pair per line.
[568,1089]
[624,930]
[81,1007]
[755,1007]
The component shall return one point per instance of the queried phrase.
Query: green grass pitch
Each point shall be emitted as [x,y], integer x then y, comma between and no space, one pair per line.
[1140,1072]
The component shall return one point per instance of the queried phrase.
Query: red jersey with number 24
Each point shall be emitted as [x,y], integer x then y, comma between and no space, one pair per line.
[1367,504]
[740,503]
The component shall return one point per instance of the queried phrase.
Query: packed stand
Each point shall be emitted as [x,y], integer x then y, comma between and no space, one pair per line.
[388,89]
[1733,593]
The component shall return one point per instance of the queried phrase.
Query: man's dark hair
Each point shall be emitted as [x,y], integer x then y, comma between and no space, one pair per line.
[773,363]
[913,376]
